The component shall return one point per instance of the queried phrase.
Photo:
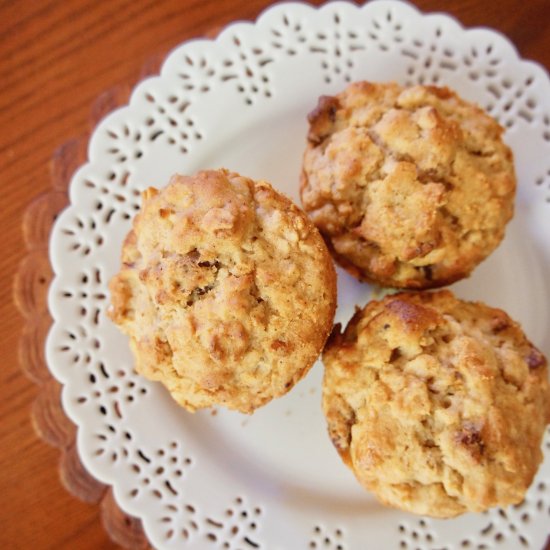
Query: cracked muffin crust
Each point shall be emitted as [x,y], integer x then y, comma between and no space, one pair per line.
[226,290]
[411,187]
[438,405]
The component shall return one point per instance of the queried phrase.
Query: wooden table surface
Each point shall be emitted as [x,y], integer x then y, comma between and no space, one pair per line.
[56,57]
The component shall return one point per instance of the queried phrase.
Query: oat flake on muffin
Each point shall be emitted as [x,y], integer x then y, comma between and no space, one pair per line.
[438,405]
[226,290]
[412,187]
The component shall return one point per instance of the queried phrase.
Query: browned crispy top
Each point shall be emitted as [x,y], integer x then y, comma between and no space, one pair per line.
[412,187]
[227,290]
[438,405]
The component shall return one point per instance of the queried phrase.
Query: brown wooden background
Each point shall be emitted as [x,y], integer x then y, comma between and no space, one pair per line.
[56,58]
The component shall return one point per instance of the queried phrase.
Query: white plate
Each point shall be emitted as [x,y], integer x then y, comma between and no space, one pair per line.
[273,480]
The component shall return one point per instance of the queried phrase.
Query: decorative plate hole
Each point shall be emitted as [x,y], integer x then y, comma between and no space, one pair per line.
[417,533]
[330,539]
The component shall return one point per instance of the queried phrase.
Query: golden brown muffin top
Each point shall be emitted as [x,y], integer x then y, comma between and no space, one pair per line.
[411,187]
[227,290]
[438,405]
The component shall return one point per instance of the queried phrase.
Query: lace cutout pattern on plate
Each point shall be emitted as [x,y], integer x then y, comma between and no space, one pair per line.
[130,433]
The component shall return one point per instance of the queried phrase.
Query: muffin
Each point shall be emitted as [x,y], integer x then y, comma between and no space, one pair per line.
[411,187]
[438,405]
[227,291]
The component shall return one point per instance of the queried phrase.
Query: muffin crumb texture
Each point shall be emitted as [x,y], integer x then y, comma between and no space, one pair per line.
[411,187]
[438,405]
[226,290]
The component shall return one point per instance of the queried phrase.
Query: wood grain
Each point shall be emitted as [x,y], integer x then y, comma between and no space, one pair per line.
[57,59]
